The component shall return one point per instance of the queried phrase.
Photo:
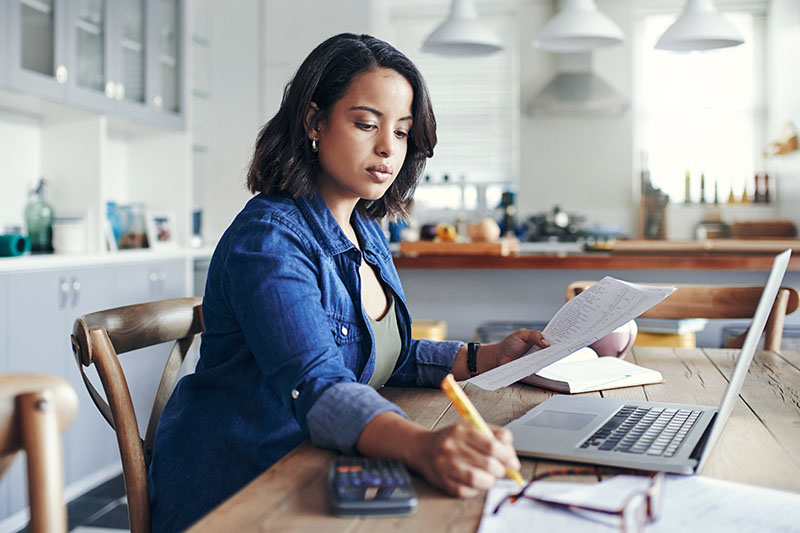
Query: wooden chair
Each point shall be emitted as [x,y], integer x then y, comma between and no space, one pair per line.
[718,301]
[33,409]
[98,339]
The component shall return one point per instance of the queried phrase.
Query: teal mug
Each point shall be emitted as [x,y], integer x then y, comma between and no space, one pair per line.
[14,244]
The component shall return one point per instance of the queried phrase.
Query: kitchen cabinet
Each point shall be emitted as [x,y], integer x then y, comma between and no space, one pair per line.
[37,47]
[124,58]
[36,317]
[4,53]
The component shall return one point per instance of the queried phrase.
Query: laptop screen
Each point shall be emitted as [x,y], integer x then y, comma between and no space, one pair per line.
[748,350]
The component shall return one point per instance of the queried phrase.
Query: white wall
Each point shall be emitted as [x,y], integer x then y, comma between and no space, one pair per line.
[231,119]
[292,29]
[783,79]
[584,165]
[20,148]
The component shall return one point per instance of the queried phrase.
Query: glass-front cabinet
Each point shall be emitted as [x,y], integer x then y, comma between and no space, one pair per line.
[123,57]
[88,35]
[36,46]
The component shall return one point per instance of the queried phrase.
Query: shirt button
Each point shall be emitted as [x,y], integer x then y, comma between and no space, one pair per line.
[295,394]
[344,331]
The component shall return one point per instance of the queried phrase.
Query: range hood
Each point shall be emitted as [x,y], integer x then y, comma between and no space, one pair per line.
[576,91]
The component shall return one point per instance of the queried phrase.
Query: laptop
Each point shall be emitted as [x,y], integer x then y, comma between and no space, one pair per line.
[668,437]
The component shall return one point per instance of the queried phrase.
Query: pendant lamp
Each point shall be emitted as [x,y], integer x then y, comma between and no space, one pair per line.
[699,27]
[579,27]
[462,34]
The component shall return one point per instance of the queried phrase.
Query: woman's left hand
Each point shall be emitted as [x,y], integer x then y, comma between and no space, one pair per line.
[518,344]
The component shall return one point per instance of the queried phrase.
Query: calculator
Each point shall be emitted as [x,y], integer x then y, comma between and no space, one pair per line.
[367,486]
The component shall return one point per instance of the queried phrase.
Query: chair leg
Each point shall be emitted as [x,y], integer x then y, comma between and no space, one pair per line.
[777,317]
[42,444]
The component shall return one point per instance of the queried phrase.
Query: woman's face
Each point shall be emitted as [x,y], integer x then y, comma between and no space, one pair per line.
[364,139]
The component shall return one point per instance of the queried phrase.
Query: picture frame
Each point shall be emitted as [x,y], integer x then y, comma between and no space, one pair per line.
[111,240]
[161,230]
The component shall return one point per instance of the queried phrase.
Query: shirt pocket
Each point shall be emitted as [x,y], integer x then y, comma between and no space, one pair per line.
[345,331]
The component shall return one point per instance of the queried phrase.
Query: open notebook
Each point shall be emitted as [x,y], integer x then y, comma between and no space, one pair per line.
[585,371]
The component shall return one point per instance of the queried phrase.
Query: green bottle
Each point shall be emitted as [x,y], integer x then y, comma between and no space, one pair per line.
[687,188]
[39,220]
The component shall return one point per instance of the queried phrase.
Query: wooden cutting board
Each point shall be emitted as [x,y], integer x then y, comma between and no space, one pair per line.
[499,247]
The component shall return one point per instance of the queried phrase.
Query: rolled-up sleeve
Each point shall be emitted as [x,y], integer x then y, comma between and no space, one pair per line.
[342,412]
[427,363]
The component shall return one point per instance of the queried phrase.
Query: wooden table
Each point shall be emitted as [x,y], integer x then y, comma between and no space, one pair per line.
[760,445]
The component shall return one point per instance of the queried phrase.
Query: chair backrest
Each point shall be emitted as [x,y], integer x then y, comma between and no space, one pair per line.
[718,301]
[33,409]
[98,339]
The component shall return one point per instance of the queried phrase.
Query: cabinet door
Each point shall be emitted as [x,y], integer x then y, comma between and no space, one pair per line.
[128,58]
[142,283]
[40,311]
[147,282]
[37,303]
[37,47]
[88,55]
[90,445]
[165,59]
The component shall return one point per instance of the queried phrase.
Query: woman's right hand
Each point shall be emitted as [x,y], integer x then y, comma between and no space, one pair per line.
[461,460]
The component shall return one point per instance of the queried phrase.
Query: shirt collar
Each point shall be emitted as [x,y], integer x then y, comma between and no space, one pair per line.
[325,227]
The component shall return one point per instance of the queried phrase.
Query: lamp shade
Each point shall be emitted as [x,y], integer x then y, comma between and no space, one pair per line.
[699,27]
[462,34]
[579,27]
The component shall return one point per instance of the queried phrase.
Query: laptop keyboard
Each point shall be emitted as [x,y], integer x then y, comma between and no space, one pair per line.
[644,430]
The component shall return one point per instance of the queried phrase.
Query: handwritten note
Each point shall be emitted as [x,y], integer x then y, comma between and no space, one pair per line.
[592,314]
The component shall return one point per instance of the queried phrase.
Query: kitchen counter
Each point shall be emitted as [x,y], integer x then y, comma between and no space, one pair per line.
[465,291]
[628,255]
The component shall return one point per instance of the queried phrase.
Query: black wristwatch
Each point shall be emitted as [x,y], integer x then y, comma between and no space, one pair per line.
[472,358]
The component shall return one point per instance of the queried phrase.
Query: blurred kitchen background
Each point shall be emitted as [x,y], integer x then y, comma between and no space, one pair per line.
[126,128]
[166,117]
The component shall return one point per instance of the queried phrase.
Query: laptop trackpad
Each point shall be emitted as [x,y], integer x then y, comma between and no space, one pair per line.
[560,420]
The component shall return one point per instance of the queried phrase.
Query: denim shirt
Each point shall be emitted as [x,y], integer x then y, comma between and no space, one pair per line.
[286,355]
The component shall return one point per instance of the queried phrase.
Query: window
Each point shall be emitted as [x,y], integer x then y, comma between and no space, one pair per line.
[476,102]
[702,112]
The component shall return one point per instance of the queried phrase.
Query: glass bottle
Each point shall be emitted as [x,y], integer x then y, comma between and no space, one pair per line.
[702,188]
[39,220]
[687,188]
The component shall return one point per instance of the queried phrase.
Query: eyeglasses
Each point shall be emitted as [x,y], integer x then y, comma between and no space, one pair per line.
[636,511]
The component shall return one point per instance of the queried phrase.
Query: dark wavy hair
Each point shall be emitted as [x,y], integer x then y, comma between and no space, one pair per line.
[283,160]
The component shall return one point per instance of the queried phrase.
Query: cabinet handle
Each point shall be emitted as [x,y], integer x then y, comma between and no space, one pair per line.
[110,89]
[63,293]
[76,291]
[161,277]
[152,276]
[61,74]
[119,94]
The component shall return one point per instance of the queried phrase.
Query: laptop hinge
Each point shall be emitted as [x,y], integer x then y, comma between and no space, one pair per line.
[698,449]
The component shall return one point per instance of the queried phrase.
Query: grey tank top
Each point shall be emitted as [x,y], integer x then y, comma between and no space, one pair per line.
[387,345]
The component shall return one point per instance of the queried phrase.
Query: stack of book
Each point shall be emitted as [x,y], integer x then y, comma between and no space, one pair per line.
[669,332]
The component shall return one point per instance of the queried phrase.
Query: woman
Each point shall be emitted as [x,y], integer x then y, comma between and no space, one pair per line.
[304,313]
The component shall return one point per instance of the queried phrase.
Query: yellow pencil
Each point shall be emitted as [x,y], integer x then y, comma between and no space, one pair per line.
[470,414]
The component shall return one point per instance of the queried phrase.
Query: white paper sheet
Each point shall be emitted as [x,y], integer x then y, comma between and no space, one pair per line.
[590,315]
[691,503]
